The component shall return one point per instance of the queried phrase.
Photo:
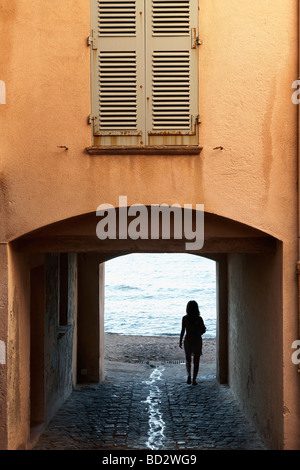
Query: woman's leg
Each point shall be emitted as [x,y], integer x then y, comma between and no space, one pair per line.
[188,363]
[196,368]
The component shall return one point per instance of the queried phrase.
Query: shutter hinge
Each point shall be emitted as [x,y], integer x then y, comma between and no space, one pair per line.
[197,119]
[196,40]
[93,40]
[91,119]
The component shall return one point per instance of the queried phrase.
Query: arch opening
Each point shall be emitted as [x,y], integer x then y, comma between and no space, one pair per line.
[146,296]
[248,276]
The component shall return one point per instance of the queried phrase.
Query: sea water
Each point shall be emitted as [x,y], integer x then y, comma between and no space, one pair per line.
[146,294]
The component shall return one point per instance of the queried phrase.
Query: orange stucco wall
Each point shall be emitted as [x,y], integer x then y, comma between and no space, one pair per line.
[248,62]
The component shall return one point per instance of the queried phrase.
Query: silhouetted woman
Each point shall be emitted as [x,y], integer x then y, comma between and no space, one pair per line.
[193,327]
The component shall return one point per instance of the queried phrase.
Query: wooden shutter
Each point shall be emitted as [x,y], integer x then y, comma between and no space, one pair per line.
[145,72]
[118,75]
[172,78]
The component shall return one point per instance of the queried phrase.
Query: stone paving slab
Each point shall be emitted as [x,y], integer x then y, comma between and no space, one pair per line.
[150,406]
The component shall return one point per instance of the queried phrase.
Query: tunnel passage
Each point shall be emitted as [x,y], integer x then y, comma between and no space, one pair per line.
[249,317]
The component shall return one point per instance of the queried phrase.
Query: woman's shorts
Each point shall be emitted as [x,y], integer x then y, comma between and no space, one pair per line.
[193,348]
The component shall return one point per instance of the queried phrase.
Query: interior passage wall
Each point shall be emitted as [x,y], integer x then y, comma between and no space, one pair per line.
[18,351]
[59,339]
[255,341]
[89,320]
[3,344]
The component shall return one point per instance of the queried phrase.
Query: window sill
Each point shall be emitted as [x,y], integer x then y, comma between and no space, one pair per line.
[146,150]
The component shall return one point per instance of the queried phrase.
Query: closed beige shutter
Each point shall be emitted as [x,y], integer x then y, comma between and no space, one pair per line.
[145,72]
[118,72]
[172,81]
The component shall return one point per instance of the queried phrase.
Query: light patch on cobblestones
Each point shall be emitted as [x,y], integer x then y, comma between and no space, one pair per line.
[156,423]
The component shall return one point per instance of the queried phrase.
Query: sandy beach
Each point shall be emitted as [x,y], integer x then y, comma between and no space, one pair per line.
[131,349]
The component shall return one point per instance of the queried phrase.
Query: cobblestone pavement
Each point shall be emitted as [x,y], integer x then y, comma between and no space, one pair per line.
[140,406]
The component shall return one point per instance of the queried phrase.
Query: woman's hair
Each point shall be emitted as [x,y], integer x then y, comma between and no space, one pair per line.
[192,310]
